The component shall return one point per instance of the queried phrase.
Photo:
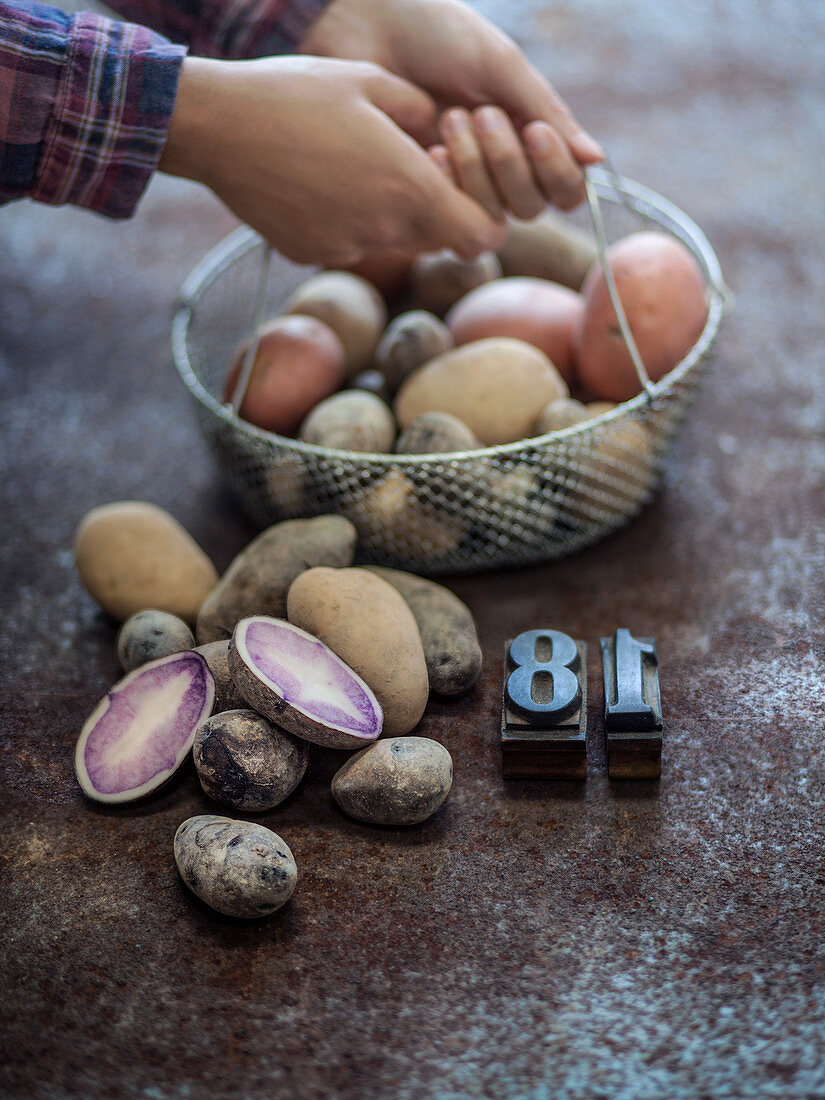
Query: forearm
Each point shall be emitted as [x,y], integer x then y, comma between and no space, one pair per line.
[227,28]
[85,105]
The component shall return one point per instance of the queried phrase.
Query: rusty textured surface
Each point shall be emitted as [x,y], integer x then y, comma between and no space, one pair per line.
[534,940]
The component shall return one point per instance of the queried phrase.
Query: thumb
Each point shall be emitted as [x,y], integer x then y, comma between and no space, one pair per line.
[407,105]
[454,220]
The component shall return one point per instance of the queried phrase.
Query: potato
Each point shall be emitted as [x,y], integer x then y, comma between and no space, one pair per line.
[435,433]
[447,629]
[351,307]
[620,469]
[398,781]
[285,481]
[559,414]
[388,271]
[663,295]
[299,361]
[132,555]
[300,684]
[227,696]
[352,420]
[439,279]
[369,625]
[149,635]
[390,514]
[540,313]
[411,340]
[141,731]
[239,868]
[549,247]
[246,762]
[257,581]
[497,387]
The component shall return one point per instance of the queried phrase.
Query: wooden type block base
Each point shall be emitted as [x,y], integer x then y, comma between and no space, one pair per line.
[532,751]
[633,707]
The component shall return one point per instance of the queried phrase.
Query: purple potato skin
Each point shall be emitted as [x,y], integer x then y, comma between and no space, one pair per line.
[239,868]
[97,773]
[245,762]
[261,698]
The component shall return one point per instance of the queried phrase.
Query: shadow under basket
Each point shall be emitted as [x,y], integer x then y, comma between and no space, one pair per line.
[508,505]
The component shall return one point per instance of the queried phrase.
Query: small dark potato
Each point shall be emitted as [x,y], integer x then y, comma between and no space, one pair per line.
[227,696]
[237,867]
[396,781]
[448,631]
[246,762]
[439,279]
[409,341]
[149,635]
[435,433]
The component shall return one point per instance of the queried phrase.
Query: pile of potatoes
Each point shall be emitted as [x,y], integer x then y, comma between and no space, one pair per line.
[400,635]
[478,353]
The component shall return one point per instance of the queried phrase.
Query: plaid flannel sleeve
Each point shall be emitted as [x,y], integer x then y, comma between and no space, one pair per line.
[227,28]
[85,104]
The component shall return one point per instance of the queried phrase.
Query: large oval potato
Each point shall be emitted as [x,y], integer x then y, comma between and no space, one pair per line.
[299,361]
[351,307]
[257,581]
[663,294]
[132,555]
[549,247]
[541,313]
[447,629]
[497,387]
[368,624]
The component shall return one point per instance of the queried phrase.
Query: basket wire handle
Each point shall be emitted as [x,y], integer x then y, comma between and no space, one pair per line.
[242,385]
[601,246]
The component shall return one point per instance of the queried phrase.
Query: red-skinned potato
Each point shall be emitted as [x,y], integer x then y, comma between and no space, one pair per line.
[541,313]
[299,362]
[663,295]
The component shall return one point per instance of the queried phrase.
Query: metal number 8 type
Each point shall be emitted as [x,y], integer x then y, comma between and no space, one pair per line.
[544,714]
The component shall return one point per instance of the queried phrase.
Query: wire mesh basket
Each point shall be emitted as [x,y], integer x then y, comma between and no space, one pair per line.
[506,505]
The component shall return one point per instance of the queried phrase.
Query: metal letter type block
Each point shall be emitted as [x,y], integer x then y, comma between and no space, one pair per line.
[544,717]
[632,707]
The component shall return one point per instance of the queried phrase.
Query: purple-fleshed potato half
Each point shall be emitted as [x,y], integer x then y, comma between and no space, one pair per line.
[139,734]
[294,679]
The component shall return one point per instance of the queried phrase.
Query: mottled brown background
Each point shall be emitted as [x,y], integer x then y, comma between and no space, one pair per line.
[634,941]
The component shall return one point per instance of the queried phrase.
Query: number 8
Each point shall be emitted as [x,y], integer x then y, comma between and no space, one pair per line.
[531,674]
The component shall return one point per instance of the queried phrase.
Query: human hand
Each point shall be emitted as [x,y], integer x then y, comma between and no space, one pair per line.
[461,59]
[317,155]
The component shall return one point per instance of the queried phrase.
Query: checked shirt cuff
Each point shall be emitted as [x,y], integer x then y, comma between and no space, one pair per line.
[111,113]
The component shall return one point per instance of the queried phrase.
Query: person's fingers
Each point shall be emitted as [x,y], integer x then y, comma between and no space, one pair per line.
[467,160]
[507,163]
[553,166]
[524,93]
[440,156]
[406,104]
[448,218]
